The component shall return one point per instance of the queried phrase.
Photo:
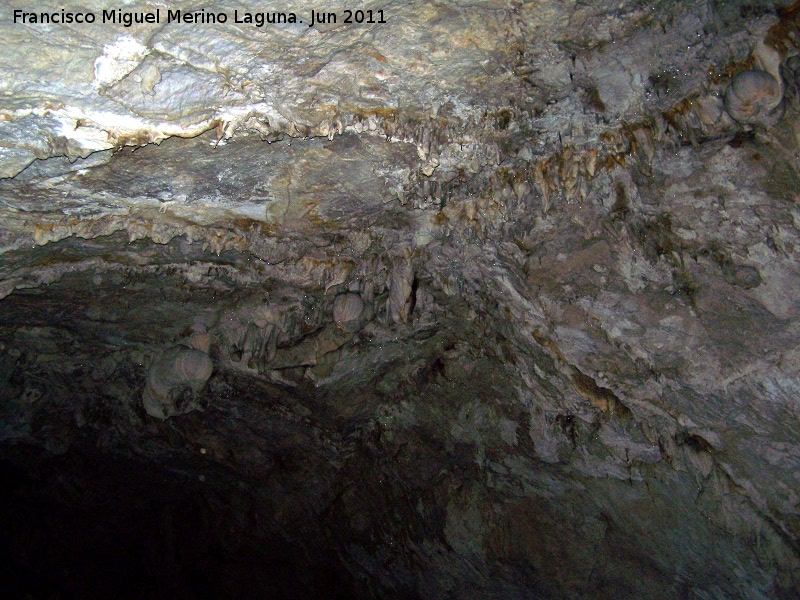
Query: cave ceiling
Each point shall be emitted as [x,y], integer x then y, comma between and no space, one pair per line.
[491,299]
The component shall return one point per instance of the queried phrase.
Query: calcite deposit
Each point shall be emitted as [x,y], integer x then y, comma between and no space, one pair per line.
[469,300]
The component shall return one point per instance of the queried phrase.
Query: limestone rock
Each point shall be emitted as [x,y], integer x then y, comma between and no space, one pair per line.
[454,300]
[173,381]
[755,98]
[350,313]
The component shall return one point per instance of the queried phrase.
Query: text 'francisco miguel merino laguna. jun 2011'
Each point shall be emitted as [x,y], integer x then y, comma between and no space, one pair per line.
[203,17]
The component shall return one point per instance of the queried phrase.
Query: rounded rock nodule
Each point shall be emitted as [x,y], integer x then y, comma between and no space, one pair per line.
[755,98]
[349,312]
[178,371]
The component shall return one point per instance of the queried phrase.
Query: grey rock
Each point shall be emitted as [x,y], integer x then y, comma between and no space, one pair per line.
[491,300]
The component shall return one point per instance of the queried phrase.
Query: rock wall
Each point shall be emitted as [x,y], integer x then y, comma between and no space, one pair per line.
[491,299]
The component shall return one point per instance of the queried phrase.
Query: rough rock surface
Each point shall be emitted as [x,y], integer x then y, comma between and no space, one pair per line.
[502,300]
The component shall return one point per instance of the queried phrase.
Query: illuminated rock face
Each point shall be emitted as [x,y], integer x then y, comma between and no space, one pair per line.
[472,301]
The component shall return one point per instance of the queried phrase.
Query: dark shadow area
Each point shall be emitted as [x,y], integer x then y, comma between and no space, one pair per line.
[88,524]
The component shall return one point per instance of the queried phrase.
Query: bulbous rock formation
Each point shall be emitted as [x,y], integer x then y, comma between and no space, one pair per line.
[755,98]
[350,313]
[174,379]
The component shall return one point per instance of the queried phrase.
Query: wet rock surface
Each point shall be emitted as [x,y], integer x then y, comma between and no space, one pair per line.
[491,300]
